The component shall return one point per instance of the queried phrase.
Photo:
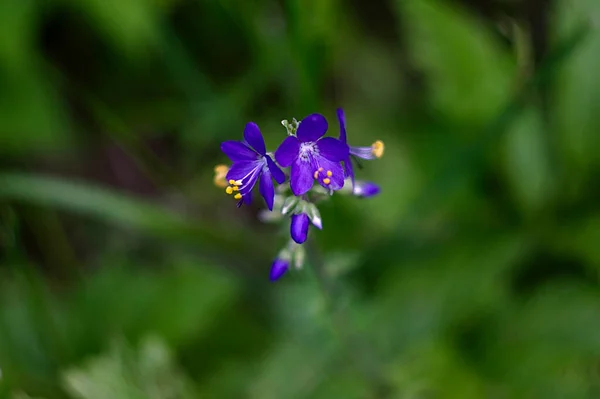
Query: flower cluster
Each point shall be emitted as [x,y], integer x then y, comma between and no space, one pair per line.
[305,156]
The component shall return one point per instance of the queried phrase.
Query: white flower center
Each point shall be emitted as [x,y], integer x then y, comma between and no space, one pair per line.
[307,150]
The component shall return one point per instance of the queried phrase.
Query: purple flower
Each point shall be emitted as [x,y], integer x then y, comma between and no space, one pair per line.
[278,269]
[374,151]
[312,156]
[251,163]
[299,226]
[365,189]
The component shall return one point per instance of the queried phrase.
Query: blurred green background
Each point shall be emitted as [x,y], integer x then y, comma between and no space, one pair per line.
[125,273]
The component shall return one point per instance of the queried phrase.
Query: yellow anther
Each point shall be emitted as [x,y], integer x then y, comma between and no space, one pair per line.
[326,180]
[220,173]
[237,183]
[377,148]
[316,175]
[229,190]
[219,181]
[235,188]
[231,181]
[329,173]
[221,169]
[238,196]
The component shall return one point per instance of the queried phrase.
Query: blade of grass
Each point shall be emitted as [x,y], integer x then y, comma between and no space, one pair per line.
[115,208]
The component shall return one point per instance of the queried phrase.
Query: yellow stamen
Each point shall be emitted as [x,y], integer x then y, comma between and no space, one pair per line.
[221,169]
[237,183]
[231,181]
[329,173]
[238,196]
[219,181]
[235,188]
[229,190]
[316,175]
[326,180]
[377,148]
[220,173]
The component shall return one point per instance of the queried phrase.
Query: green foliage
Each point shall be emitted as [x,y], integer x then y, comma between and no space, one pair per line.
[527,161]
[31,113]
[124,373]
[177,306]
[470,74]
[576,101]
[133,28]
[124,273]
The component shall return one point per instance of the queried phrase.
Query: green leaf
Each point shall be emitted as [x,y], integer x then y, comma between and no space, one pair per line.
[31,114]
[544,346]
[526,160]
[460,164]
[17,32]
[110,206]
[469,73]
[307,334]
[344,383]
[581,238]
[178,304]
[23,395]
[282,375]
[147,373]
[435,369]
[84,198]
[130,25]
[423,295]
[577,96]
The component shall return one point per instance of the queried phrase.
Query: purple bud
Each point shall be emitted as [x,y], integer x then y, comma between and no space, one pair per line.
[278,269]
[299,228]
[366,189]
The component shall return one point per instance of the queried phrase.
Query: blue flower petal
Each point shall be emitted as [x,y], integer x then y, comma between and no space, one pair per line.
[366,189]
[363,152]
[247,198]
[312,128]
[342,121]
[333,149]
[287,151]
[278,269]
[299,228]
[277,173]
[253,136]
[301,177]
[247,173]
[266,189]
[324,166]
[349,169]
[238,151]
[242,170]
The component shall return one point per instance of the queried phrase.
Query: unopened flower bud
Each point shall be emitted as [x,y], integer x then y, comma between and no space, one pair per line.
[315,216]
[365,189]
[299,228]
[278,268]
